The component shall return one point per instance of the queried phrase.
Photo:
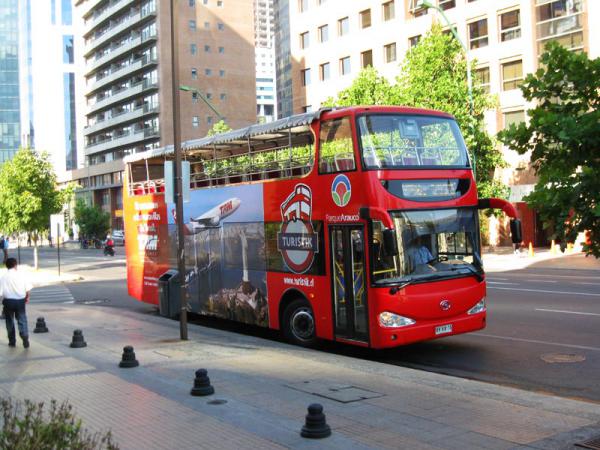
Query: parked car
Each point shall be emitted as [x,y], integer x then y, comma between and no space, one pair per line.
[118,237]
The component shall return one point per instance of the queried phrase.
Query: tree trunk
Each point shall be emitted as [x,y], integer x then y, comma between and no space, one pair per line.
[35,251]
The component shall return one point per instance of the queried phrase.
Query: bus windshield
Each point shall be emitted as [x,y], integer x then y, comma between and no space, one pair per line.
[399,141]
[432,244]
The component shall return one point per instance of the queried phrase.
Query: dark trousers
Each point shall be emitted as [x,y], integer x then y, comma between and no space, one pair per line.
[15,309]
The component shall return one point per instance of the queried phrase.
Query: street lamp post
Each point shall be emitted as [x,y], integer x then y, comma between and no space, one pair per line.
[177,172]
[427,4]
[204,99]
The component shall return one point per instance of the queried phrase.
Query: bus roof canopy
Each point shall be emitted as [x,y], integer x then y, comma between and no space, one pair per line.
[253,136]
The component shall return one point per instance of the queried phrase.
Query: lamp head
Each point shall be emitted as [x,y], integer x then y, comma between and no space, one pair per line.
[425,4]
[184,88]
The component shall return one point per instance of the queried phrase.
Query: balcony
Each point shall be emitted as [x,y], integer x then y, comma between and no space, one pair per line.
[122,73]
[133,137]
[130,22]
[121,118]
[115,53]
[115,8]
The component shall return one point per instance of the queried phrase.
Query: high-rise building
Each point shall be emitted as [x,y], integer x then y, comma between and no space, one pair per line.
[10,128]
[127,78]
[323,44]
[264,39]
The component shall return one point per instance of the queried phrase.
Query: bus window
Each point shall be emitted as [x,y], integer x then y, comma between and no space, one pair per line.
[336,152]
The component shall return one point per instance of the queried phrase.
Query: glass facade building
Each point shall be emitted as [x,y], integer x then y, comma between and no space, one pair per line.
[10,129]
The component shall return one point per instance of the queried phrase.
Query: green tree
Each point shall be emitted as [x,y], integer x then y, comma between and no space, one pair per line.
[434,75]
[28,195]
[563,136]
[91,220]
[219,127]
[368,88]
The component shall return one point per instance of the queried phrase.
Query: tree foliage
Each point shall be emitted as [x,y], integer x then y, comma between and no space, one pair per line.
[434,75]
[28,193]
[219,127]
[563,136]
[92,221]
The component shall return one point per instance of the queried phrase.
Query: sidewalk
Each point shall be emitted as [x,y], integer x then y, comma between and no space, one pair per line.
[501,259]
[267,387]
[44,277]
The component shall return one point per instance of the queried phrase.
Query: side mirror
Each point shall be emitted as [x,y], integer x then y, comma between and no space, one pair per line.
[390,242]
[516,231]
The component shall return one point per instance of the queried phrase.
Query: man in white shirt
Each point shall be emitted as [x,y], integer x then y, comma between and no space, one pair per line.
[14,290]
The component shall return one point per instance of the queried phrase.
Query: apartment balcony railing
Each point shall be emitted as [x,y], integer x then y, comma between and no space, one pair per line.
[128,138]
[114,8]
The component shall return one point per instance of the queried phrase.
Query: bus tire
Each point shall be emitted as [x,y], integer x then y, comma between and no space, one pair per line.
[299,323]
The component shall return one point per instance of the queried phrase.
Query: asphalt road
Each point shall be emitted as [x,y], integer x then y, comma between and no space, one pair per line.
[543,330]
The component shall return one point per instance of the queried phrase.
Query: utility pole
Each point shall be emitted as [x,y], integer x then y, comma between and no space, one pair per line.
[177,172]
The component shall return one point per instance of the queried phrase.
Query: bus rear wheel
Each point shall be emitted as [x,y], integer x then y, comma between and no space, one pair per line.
[299,323]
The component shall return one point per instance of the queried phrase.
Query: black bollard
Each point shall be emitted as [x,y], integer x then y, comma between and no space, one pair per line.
[202,385]
[40,326]
[77,341]
[315,427]
[128,359]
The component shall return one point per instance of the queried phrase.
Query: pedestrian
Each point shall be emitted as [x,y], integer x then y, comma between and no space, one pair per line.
[4,247]
[14,290]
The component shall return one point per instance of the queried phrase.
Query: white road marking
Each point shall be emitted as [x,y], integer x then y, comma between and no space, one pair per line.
[567,312]
[496,279]
[533,341]
[502,282]
[588,284]
[543,291]
[543,281]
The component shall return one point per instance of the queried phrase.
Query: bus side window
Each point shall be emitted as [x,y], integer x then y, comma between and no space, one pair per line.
[336,150]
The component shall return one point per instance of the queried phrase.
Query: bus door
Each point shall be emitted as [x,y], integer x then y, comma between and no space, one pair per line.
[349,282]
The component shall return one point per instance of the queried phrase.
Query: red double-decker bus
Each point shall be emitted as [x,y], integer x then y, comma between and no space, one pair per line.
[358,225]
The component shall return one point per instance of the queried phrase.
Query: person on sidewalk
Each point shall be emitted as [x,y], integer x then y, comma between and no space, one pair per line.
[4,248]
[14,290]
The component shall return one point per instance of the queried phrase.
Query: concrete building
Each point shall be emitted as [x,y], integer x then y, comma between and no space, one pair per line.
[264,39]
[127,81]
[323,44]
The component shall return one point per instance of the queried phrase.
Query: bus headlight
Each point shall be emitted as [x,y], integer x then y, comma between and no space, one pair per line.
[391,320]
[479,307]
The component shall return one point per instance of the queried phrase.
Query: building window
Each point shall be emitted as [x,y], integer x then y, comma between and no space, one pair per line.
[302,5]
[482,78]
[389,52]
[192,3]
[194,97]
[304,40]
[365,18]
[68,49]
[305,77]
[510,25]
[345,65]
[388,10]
[324,71]
[221,73]
[194,74]
[513,118]
[446,4]
[220,26]
[207,48]
[412,41]
[192,25]
[193,49]
[416,9]
[222,97]
[343,26]
[561,21]
[512,75]
[478,34]
[209,119]
[366,58]
[324,33]
[208,72]
[207,25]
[205,2]
[221,50]
[195,121]
[219,3]
[208,95]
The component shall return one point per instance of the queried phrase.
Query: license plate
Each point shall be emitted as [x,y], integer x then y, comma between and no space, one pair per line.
[443,329]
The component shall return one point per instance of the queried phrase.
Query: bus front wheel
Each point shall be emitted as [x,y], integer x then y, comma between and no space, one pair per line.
[299,323]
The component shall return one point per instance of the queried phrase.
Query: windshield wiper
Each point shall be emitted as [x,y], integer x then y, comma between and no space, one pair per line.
[471,269]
